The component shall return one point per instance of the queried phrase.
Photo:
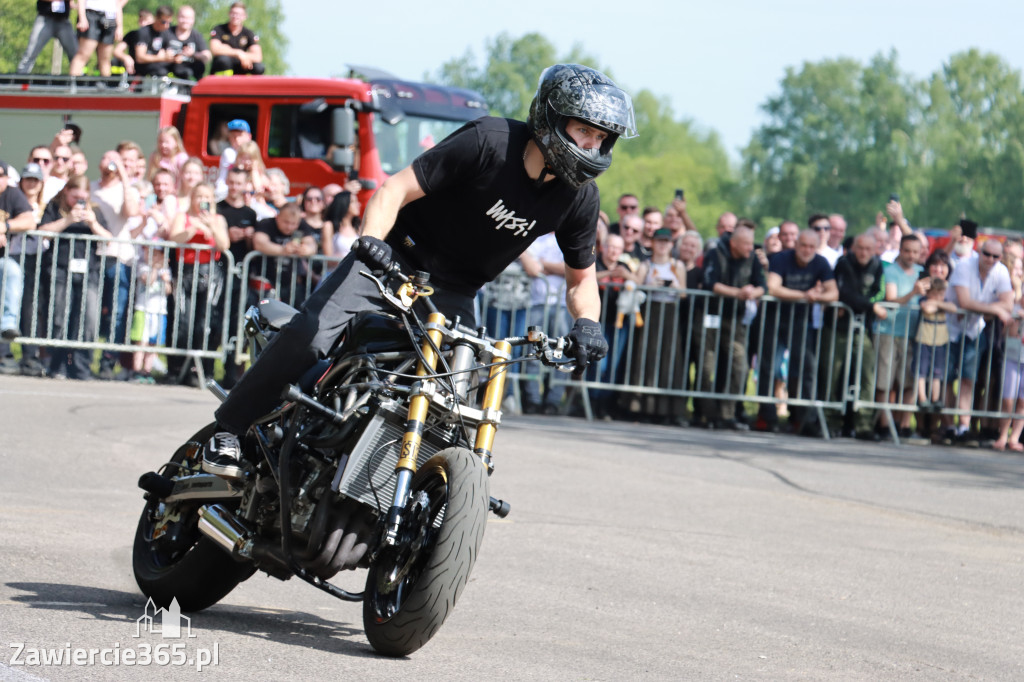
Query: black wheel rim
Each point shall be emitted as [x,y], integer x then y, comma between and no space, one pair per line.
[397,570]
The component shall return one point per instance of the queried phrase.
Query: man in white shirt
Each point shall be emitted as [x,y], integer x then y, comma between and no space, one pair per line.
[980,287]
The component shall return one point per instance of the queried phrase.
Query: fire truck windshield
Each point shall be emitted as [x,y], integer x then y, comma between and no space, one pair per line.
[399,144]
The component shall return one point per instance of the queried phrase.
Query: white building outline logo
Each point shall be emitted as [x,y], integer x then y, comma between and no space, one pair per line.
[165,622]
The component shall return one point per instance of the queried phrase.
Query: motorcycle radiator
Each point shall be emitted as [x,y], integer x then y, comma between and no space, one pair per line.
[369,474]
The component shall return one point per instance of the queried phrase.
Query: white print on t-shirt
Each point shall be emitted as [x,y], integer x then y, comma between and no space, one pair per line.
[507,219]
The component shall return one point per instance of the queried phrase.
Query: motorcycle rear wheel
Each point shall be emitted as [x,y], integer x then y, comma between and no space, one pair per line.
[194,570]
[412,589]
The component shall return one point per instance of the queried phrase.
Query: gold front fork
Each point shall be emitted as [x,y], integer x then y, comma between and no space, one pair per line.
[492,407]
[420,403]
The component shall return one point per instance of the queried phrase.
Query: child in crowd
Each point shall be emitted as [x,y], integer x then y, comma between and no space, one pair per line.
[169,154]
[932,348]
[1013,384]
[149,321]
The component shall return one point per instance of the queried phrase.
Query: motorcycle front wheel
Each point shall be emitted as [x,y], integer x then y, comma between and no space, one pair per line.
[412,588]
[170,557]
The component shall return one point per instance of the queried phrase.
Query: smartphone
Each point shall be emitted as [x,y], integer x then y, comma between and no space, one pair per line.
[679,195]
[894,197]
[205,205]
[81,202]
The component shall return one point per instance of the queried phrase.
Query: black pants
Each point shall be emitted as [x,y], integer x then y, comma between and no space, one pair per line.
[232,64]
[310,336]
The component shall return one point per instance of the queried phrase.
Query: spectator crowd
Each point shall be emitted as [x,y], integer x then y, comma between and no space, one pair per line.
[136,257]
[888,322]
[894,335]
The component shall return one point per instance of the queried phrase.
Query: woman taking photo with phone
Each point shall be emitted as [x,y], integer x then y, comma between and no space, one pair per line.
[72,271]
[200,280]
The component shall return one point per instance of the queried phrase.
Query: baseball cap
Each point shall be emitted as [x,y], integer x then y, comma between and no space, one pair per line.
[32,170]
[772,231]
[239,124]
[662,233]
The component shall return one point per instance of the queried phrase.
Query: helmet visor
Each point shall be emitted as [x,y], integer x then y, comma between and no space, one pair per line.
[603,105]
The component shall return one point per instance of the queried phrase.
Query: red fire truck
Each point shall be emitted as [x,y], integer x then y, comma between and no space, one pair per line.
[317,130]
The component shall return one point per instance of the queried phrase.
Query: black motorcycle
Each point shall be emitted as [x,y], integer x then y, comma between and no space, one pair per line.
[379,459]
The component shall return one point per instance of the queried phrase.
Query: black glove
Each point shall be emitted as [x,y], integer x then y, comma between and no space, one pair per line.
[373,252]
[588,343]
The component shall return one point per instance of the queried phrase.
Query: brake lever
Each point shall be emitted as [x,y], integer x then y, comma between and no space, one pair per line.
[386,293]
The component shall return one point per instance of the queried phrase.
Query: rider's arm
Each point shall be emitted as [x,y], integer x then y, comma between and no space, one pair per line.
[582,295]
[382,209]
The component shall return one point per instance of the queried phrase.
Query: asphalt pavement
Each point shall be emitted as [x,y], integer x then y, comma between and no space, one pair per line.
[632,552]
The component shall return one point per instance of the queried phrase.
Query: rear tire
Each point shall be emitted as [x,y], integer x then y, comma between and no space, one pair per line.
[191,568]
[410,592]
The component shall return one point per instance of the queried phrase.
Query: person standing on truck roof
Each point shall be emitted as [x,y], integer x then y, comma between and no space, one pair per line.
[52,21]
[99,28]
[236,49]
[462,212]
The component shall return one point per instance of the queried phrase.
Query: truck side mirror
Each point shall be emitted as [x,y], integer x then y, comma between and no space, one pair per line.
[343,127]
[342,157]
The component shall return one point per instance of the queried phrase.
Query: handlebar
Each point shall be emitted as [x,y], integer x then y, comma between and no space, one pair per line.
[558,352]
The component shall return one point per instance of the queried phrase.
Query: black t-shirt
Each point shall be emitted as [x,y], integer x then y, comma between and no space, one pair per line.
[63,250]
[243,41]
[268,226]
[153,40]
[481,209]
[48,8]
[721,267]
[798,278]
[12,204]
[243,216]
[177,45]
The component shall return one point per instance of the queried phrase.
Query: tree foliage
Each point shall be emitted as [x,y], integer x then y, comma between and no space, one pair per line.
[669,153]
[842,136]
[265,18]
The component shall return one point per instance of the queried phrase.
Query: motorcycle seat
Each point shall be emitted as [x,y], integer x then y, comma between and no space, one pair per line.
[276,314]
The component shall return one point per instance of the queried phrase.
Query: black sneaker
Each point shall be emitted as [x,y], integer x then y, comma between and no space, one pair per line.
[223,456]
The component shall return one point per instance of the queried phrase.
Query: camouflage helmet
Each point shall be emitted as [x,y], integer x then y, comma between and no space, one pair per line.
[568,91]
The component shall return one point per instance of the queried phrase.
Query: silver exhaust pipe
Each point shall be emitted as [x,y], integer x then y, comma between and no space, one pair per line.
[224,528]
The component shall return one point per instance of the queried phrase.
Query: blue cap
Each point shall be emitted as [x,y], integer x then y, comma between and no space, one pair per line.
[239,124]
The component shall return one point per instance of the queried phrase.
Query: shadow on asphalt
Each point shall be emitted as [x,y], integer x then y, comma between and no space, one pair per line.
[978,468]
[284,627]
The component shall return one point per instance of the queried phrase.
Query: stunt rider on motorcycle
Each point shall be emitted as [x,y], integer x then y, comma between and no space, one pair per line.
[462,211]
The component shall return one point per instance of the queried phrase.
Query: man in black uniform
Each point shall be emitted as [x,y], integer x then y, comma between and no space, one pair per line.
[241,220]
[236,49]
[152,57]
[462,211]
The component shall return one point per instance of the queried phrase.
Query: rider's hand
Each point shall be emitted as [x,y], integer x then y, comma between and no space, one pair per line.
[373,252]
[589,343]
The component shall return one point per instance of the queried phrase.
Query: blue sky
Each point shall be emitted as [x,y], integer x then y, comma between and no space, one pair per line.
[717,62]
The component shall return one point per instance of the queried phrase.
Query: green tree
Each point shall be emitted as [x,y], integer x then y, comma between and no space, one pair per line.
[839,138]
[973,161]
[265,18]
[508,78]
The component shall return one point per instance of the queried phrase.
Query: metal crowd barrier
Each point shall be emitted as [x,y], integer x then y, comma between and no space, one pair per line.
[77,297]
[667,348]
[925,379]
